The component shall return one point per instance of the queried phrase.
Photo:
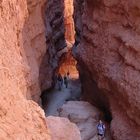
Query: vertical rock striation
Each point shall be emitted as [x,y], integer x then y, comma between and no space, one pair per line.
[34,44]
[62,129]
[22,45]
[69,23]
[78,12]
[55,39]
[108,59]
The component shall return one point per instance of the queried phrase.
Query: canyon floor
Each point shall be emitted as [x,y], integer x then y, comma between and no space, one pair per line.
[67,104]
[57,98]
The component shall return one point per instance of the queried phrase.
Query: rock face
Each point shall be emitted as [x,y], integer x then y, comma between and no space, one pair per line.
[55,39]
[33,43]
[22,45]
[62,129]
[78,12]
[108,59]
[68,20]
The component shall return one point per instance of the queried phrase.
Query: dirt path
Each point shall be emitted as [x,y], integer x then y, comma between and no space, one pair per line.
[57,98]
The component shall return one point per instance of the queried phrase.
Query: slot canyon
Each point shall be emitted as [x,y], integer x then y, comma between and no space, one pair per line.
[92,46]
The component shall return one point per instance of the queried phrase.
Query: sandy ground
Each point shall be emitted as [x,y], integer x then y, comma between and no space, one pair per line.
[57,98]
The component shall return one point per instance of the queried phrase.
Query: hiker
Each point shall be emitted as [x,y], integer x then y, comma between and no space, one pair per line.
[68,75]
[60,81]
[66,81]
[101,130]
[54,80]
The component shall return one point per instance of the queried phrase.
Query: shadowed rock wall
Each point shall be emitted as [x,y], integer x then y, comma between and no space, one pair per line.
[69,23]
[55,39]
[78,12]
[108,60]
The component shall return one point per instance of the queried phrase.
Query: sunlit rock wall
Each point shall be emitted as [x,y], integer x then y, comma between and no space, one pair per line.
[22,45]
[68,20]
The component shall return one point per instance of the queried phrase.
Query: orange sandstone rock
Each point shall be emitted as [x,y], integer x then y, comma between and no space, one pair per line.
[62,129]
[68,19]
[22,45]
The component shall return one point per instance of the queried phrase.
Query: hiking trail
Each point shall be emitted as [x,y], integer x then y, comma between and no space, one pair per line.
[56,99]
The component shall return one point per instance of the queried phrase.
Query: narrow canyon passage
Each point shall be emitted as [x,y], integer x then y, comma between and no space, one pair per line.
[55,100]
[60,36]
[97,42]
[105,37]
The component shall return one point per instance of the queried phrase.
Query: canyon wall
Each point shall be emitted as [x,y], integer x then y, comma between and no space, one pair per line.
[22,46]
[68,20]
[108,60]
[77,15]
[55,39]
[33,42]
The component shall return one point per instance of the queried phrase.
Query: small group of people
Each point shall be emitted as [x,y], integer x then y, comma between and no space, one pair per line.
[61,80]
[101,130]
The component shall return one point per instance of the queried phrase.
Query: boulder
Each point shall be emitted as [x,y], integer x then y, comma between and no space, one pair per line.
[62,129]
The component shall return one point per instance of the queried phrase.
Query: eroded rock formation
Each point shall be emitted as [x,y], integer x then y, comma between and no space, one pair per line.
[22,45]
[55,39]
[34,45]
[78,12]
[108,60]
[68,63]
[68,20]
